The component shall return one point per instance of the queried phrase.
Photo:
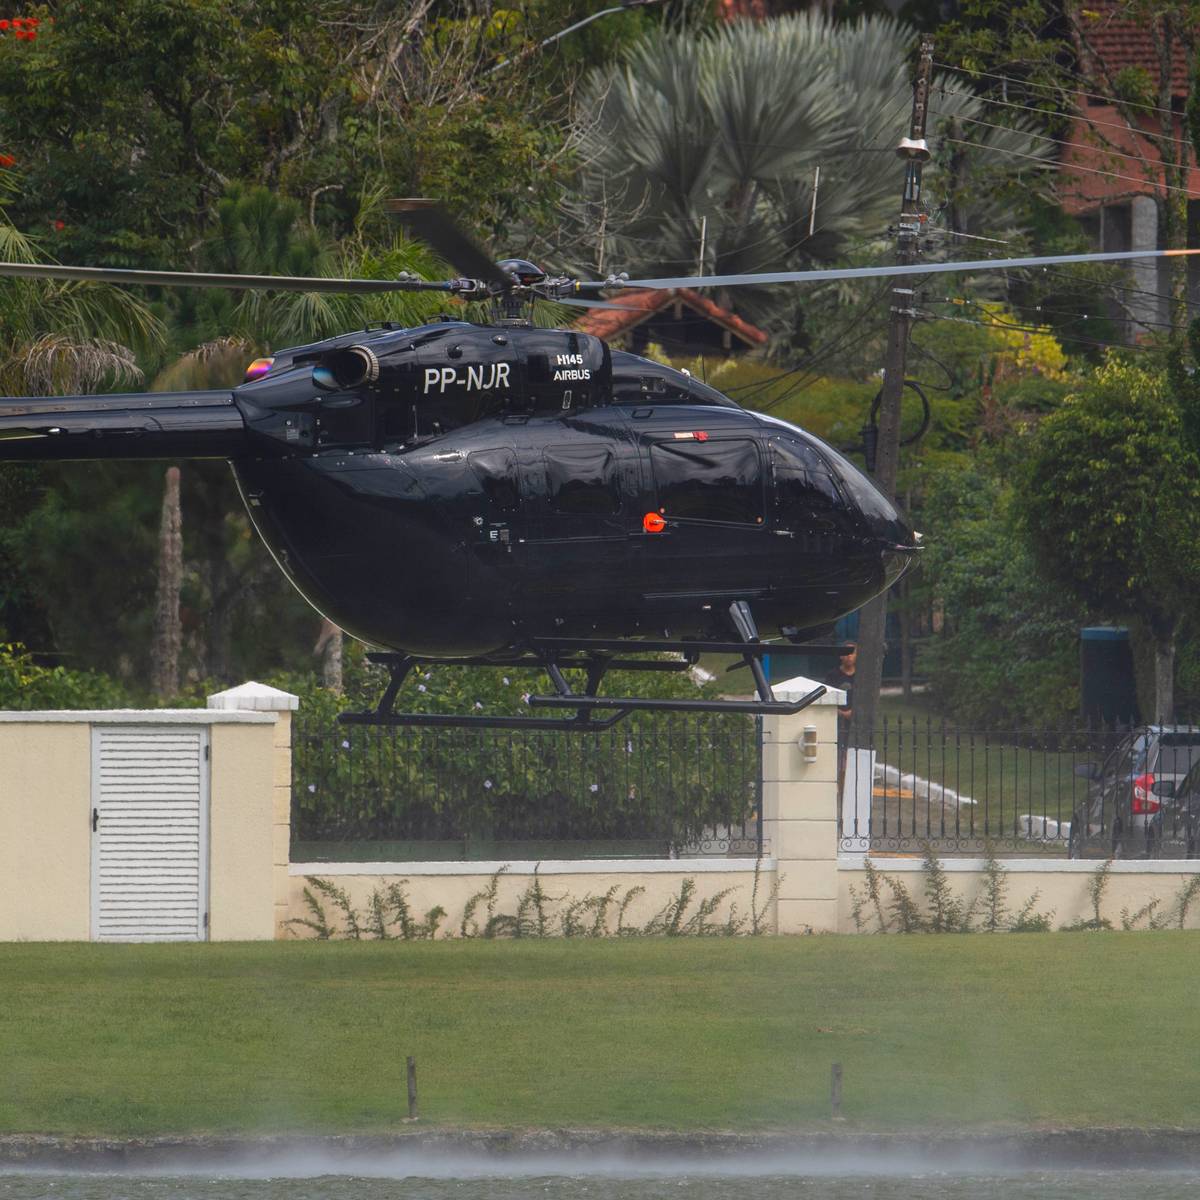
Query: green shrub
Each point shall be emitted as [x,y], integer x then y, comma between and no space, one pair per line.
[25,686]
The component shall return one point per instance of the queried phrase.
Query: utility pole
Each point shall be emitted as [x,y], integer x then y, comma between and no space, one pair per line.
[915,154]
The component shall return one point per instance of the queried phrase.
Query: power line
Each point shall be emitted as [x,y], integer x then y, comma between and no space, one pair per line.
[1041,308]
[1047,112]
[1045,137]
[1073,167]
[1075,277]
[811,375]
[806,382]
[1046,87]
[1035,329]
[821,355]
[974,237]
[1084,279]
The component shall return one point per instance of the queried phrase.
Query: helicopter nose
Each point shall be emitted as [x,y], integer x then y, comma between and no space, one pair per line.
[898,558]
[899,545]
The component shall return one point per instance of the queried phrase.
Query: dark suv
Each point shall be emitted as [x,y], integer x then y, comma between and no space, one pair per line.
[1131,809]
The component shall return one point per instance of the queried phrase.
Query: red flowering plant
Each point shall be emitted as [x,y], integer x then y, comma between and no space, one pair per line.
[22,29]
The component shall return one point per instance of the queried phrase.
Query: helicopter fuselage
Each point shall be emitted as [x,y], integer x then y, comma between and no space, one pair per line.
[455,491]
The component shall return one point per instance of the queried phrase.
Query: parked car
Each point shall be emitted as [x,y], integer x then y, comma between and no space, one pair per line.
[1132,809]
[1186,803]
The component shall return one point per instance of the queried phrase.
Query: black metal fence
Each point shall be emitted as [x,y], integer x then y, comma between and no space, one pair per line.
[1095,792]
[656,786]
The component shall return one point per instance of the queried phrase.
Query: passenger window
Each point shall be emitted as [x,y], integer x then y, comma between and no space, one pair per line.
[496,471]
[709,481]
[582,480]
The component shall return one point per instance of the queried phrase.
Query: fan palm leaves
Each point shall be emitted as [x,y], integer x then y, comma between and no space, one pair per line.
[68,337]
[701,151]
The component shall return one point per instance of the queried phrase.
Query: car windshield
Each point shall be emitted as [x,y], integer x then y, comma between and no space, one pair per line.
[1177,753]
[1138,762]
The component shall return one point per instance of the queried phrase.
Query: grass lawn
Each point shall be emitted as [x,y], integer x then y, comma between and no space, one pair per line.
[934,1031]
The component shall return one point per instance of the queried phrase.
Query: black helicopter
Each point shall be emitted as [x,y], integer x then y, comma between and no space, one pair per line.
[504,495]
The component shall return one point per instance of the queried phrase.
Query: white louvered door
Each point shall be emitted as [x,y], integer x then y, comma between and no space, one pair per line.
[150,833]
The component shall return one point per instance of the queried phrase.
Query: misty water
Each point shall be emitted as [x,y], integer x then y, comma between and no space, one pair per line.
[452,1178]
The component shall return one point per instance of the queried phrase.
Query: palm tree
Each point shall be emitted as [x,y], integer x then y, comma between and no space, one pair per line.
[67,337]
[713,140]
[55,338]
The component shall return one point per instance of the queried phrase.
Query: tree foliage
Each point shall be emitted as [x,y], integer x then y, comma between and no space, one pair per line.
[126,125]
[1008,655]
[1112,496]
[1110,499]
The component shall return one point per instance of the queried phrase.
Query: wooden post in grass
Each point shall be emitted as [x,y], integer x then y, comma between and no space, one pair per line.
[835,1092]
[412,1088]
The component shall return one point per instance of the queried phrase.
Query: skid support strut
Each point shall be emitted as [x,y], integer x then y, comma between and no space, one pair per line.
[595,657]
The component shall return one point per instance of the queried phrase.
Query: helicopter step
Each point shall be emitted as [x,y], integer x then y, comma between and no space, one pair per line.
[596,657]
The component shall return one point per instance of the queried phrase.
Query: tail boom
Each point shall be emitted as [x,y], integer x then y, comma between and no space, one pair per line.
[136,425]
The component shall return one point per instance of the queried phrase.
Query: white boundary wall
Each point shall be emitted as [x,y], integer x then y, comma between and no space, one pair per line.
[801,886]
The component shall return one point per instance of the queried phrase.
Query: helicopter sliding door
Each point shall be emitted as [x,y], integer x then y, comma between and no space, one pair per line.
[577,475]
[497,523]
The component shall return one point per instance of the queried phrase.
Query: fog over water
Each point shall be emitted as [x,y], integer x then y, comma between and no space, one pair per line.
[456,1177]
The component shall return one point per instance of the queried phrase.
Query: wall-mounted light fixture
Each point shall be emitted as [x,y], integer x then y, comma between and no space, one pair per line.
[808,743]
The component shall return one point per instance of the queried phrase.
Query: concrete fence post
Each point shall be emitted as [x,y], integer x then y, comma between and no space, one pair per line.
[258,697]
[800,812]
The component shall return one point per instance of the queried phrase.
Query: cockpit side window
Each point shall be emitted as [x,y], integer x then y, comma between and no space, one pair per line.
[804,485]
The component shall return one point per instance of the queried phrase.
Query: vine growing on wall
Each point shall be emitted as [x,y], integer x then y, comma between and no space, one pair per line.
[538,914]
[885,905]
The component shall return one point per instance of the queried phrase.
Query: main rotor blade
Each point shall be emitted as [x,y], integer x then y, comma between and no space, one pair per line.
[281,283]
[983,264]
[597,304]
[430,222]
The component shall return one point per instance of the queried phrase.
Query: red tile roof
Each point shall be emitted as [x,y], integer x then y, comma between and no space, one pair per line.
[1121,42]
[609,323]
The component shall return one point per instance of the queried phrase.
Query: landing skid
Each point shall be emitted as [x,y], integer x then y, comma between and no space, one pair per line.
[596,657]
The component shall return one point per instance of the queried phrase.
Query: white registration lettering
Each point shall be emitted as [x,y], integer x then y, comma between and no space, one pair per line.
[480,377]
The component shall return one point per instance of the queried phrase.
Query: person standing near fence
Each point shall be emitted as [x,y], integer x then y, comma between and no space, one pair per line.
[843,677]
